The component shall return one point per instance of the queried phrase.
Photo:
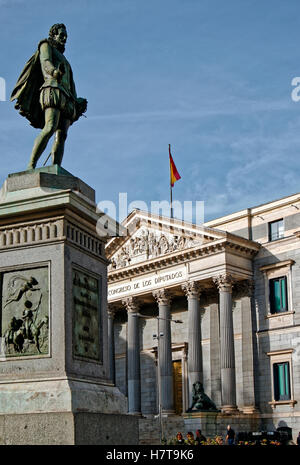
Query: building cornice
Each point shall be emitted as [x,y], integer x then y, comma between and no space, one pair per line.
[254,211]
[276,265]
[139,219]
[241,247]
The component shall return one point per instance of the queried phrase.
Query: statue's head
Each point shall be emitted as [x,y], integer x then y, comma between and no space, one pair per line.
[58,35]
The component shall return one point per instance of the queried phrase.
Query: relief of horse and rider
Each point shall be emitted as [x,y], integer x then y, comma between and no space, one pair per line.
[26,328]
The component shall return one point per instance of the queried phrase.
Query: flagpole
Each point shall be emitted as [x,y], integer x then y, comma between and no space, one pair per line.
[171,200]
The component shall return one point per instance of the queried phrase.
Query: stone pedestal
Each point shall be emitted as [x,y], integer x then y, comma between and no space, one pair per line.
[53,276]
[215,423]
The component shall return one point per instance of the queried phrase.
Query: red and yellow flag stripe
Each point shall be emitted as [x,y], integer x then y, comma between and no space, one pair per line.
[174,175]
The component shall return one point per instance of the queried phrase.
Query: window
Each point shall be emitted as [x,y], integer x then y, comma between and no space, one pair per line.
[276,230]
[281,370]
[278,295]
[281,373]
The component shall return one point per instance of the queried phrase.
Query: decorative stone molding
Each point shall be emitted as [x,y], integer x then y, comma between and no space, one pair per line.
[176,258]
[149,244]
[276,270]
[277,403]
[31,233]
[132,304]
[84,240]
[44,231]
[275,266]
[162,297]
[139,220]
[224,282]
[192,289]
[279,356]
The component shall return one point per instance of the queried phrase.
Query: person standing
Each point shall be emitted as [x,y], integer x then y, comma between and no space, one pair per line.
[298,439]
[179,438]
[190,439]
[199,437]
[230,435]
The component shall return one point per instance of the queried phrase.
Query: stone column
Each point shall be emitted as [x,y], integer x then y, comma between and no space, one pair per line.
[165,351]
[195,370]
[185,390]
[215,370]
[133,356]
[247,348]
[111,342]
[227,360]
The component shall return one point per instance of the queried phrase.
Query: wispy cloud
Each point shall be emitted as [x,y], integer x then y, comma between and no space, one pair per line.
[256,168]
[239,107]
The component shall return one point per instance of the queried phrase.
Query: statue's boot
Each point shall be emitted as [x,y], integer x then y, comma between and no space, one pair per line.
[32,164]
[35,155]
[57,158]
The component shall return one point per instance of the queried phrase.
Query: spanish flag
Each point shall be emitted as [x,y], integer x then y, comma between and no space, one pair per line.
[174,175]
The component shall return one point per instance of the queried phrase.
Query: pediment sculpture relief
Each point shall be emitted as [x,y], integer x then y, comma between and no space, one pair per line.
[148,245]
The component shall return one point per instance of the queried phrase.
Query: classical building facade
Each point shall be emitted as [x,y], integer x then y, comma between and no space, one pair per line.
[218,304]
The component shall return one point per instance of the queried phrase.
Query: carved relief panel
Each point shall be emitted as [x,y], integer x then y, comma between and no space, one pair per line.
[25,312]
[147,244]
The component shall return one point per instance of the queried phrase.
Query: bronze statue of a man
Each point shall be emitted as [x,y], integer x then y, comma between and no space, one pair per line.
[45,94]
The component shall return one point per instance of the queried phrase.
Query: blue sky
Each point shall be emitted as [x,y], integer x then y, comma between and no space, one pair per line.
[210,77]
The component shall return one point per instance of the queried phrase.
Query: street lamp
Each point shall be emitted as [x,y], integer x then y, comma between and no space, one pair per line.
[158,336]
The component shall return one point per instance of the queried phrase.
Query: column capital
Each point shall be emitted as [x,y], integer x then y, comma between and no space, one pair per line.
[132,304]
[111,310]
[245,288]
[192,289]
[224,282]
[162,296]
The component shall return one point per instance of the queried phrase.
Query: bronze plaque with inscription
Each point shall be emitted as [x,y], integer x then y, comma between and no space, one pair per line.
[86,304]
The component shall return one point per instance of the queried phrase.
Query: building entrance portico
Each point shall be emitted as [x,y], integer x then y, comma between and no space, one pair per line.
[164,268]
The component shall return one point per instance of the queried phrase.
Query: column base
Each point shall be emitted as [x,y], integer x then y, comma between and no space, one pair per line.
[136,414]
[249,409]
[168,412]
[229,409]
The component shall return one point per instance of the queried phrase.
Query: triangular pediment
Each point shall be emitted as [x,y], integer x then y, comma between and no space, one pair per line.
[149,236]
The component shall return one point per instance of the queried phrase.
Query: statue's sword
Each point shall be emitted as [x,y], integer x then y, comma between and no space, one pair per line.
[47,159]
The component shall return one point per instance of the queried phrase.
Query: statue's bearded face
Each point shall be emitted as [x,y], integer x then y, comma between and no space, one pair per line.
[61,38]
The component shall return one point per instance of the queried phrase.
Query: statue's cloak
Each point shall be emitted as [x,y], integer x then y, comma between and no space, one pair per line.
[27,90]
